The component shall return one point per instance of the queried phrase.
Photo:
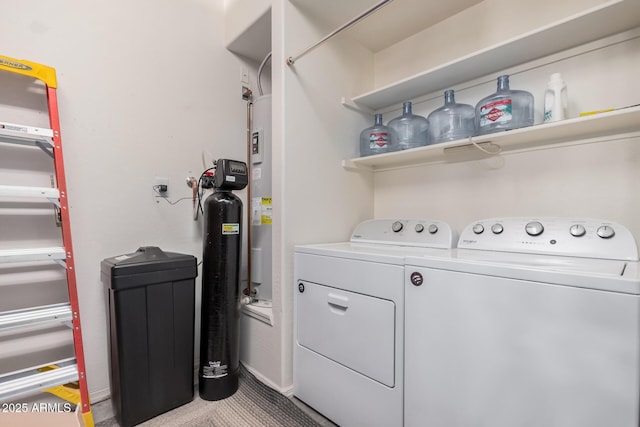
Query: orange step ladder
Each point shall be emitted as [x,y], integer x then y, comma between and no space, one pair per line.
[63,378]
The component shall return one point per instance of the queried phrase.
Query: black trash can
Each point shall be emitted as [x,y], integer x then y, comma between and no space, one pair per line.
[151,303]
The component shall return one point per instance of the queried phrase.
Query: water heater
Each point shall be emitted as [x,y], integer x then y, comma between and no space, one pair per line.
[261,202]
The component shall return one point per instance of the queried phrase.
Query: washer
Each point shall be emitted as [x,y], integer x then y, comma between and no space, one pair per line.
[349,310]
[530,322]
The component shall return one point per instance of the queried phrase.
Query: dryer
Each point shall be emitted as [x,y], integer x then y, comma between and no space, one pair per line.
[349,310]
[529,322]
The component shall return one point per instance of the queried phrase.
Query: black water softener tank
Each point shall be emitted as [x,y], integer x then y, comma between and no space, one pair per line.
[219,338]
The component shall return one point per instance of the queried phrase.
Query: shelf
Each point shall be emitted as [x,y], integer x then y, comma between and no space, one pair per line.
[609,18]
[28,381]
[27,255]
[548,134]
[55,313]
[260,310]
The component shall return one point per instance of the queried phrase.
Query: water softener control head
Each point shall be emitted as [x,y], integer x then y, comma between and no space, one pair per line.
[230,175]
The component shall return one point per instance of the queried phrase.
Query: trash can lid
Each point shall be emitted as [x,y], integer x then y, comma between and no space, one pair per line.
[148,260]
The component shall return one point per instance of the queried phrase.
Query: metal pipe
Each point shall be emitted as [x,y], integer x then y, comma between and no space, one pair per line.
[292,59]
[247,290]
[264,61]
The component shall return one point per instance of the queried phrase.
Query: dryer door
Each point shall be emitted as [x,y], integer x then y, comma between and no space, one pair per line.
[355,330]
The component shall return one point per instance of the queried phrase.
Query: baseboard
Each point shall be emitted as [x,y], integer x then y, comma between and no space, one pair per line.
[100,395]
[287,391]
[101,407]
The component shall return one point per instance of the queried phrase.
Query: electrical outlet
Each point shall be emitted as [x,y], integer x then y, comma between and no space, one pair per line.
[161,186]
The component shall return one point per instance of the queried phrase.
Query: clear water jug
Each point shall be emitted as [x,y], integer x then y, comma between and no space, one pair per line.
[409,129]
[506,109]
[451,121]
[375,139]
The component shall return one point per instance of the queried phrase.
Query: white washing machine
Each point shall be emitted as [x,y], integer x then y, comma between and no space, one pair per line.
[530,322]
[349,310]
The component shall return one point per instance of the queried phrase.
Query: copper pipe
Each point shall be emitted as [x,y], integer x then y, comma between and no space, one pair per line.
[247,290]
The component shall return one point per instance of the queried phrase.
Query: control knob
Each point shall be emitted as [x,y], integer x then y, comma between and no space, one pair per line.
[433,229]
[606,232]
[577,230]
[396,226]
[534,228]
[419,228]
[478,229]
[497,228]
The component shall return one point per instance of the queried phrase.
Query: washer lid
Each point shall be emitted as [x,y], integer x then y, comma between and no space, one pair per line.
[548,263]
[608,275]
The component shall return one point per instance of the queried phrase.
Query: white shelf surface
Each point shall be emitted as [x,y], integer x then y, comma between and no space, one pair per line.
[611,123]
[23,383]
[55,313]
[609,18]
[28,255]
[261,310]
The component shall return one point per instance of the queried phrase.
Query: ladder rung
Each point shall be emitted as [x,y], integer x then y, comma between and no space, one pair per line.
[26,255]
[54,313]
[22,383]
[26,140]
[20,191]
[31,131]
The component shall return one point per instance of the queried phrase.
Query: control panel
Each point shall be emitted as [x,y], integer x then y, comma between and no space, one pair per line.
[230,175]
[590,238]
[405,232]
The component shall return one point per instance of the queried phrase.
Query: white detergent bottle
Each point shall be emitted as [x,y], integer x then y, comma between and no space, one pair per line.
[555,99]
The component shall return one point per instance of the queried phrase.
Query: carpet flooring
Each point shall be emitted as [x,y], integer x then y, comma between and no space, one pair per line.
[253,405]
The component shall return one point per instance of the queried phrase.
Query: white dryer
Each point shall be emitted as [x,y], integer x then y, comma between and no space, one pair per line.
[349,309]
[530,322]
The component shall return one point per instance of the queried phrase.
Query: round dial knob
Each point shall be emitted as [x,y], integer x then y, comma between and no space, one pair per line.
[577,230]
[606,232]
[433,229]
[497,228]
[534,228]
[478,228]
[419,228]
[396,226]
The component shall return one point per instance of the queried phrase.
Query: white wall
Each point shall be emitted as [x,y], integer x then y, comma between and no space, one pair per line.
[145,88]
[313,132]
